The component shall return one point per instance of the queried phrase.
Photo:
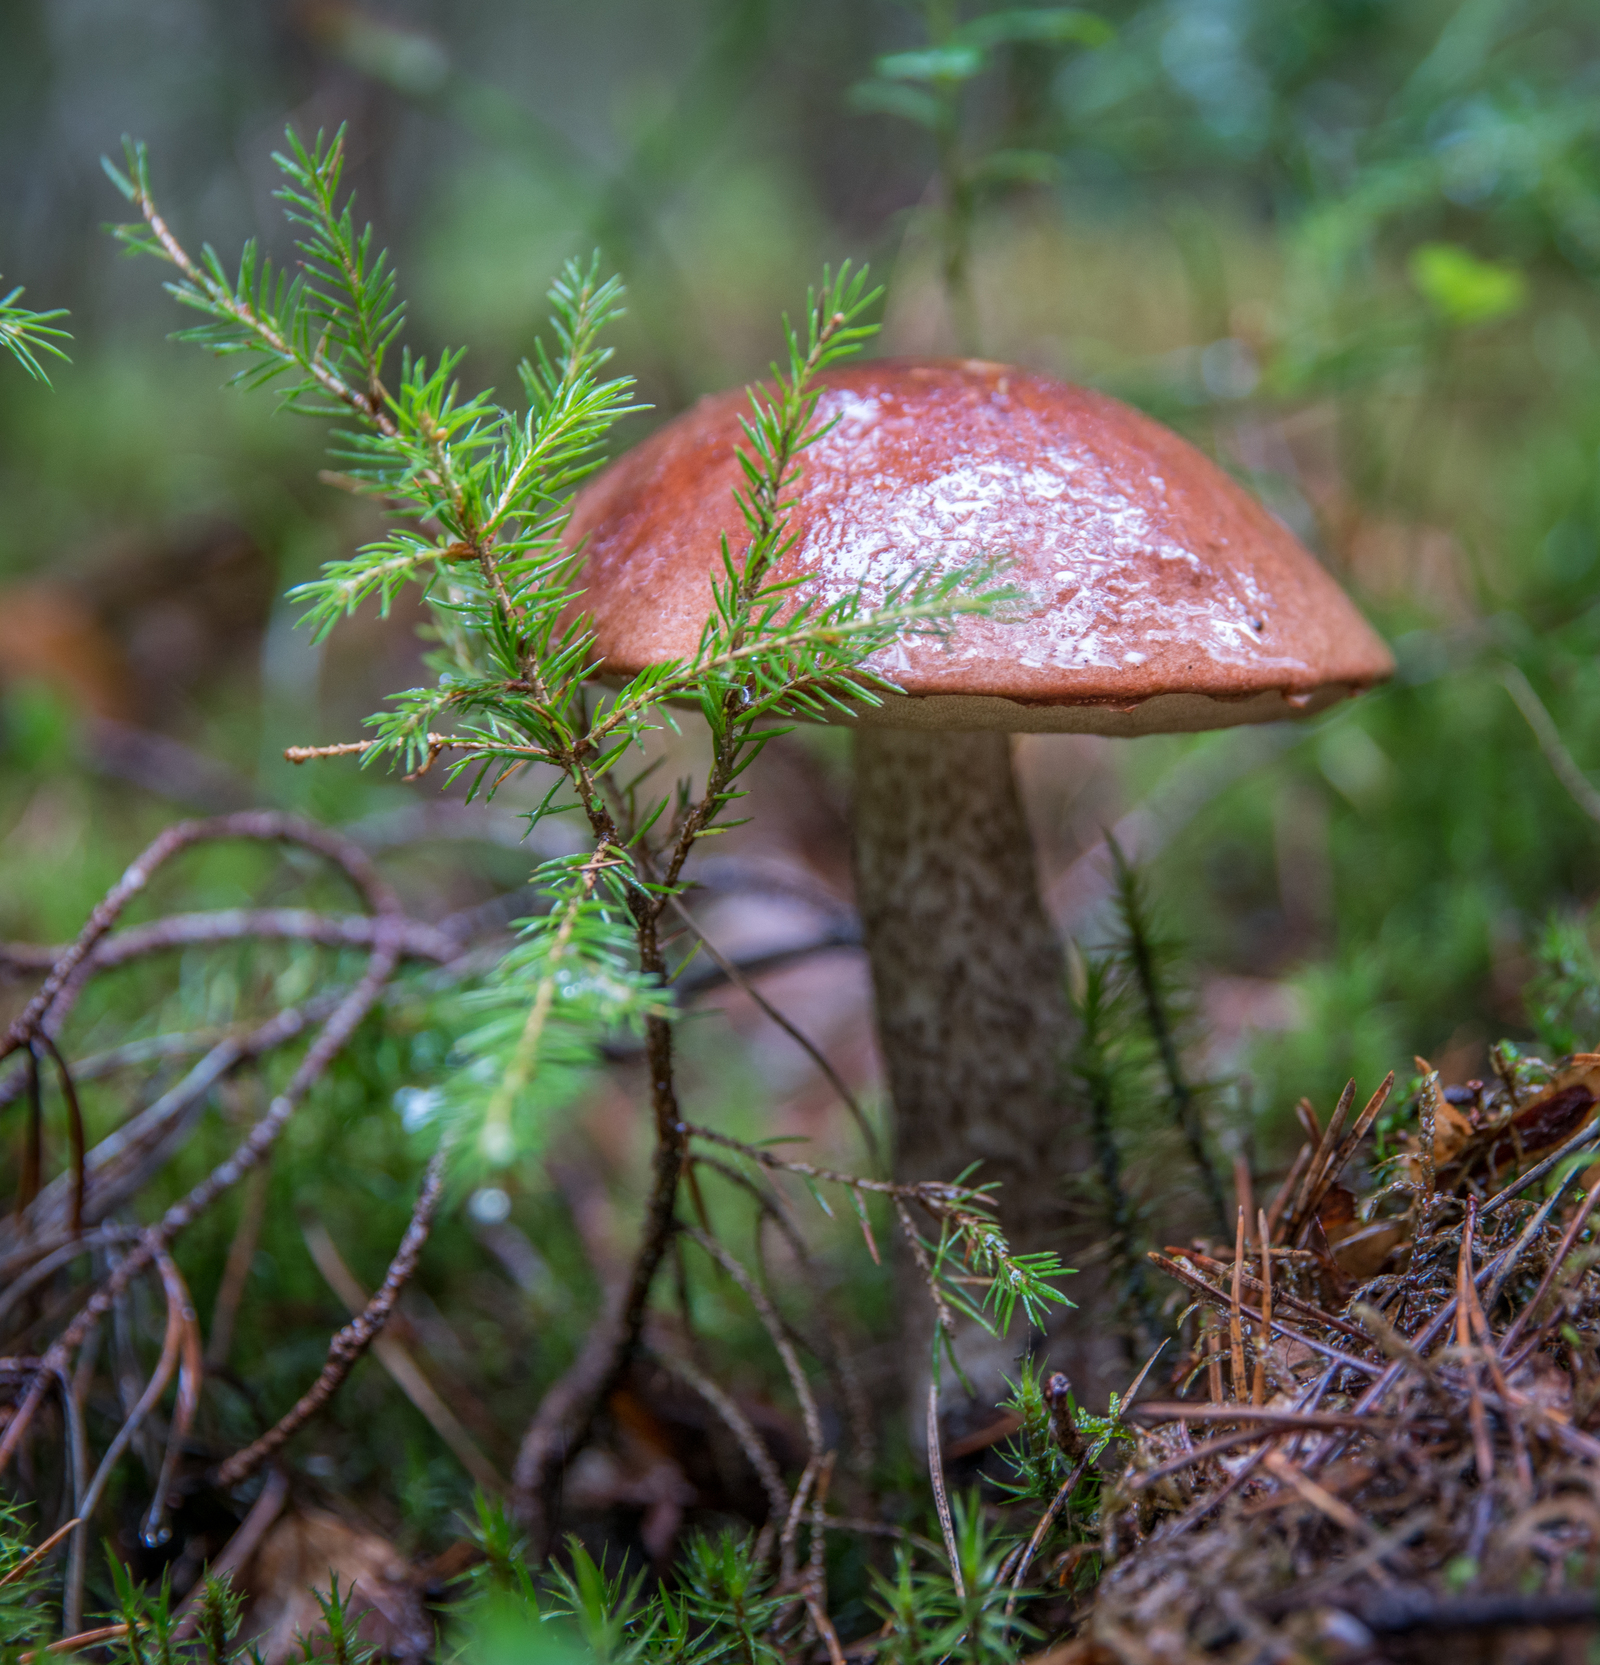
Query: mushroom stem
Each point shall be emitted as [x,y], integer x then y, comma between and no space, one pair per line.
[967,975]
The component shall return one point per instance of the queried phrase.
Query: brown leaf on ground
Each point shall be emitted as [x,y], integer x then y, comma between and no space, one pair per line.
[304,1552]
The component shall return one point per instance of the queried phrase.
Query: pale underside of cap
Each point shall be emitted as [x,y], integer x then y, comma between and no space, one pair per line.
[1157,595]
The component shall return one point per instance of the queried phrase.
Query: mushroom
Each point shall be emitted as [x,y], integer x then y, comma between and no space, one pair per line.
[1160,597]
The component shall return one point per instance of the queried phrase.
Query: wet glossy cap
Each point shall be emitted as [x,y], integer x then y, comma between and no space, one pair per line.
[1159,595]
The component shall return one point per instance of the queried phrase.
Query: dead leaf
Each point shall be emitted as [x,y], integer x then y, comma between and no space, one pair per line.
[1361,1254]
[1538,1128]
[305,1550]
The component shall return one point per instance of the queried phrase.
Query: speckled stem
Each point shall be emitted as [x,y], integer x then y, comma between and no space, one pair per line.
[967,973]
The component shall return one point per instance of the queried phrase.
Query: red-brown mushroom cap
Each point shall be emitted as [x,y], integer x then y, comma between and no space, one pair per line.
[1159,595]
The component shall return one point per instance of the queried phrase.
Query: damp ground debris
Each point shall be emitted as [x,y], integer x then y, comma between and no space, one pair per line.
[1383,1429]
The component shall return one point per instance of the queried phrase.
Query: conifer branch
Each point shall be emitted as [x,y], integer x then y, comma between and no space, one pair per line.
[25,334]
[254,313]
[478,499]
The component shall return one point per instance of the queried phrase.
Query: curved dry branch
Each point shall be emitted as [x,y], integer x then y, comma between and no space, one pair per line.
[121,1162]
[750,1443]
[267,825]
[352,1341]
[180,1320]
[189,930]
[155,1240]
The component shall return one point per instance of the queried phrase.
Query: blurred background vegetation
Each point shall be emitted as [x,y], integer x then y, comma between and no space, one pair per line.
[1349,247]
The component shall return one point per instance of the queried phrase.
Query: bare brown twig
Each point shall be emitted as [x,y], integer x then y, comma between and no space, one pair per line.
[154,1241]
[835,1080]
[351,1342]
[267,825]
[750,1443]
[765,1311]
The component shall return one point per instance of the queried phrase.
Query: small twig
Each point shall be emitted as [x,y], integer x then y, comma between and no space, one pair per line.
[179,1314]
[1235,1328]
[944,1318]
[69,1092]
[789,1536]
[122,1161]
[819,1617]
[1304,1208]
[1482,1447]
[931,1194]
[153,1050]
[1507,1262]
[941,1498]
[1587,1136]
[1281,1297]
[316,365]
[1286,1191]
[345,748]
[153,1242]
[836,1355]
[1213,1355]
[266,825]
[1258,1385]
[186,1401]
[218,925]
[1046,1521]
[75,1644]
[1552,1271]
[1478,1323]
[773,1325]
[1199,1285]
[236,1269]
[28,1180]
[35,1556]
[816,1572]
[567,1412]
[436,744]
[239,1548]
[392,1354]
[1406,1609]
[352,1341]
[750,1443]
[1339,1160]
[1265,1416]
[735,976]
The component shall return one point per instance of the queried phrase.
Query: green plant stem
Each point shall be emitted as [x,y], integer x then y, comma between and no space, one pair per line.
[1182,1097]
[1124,1248]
